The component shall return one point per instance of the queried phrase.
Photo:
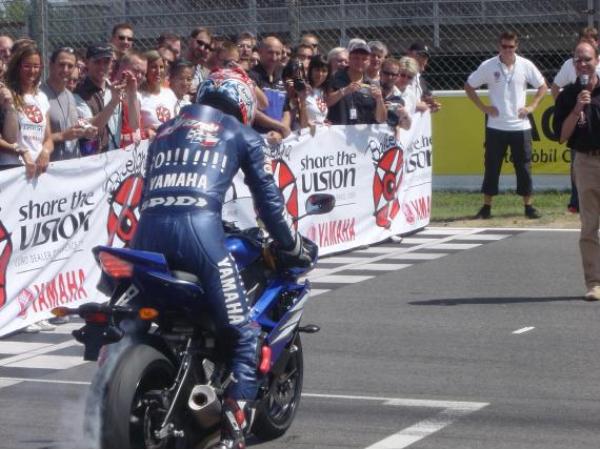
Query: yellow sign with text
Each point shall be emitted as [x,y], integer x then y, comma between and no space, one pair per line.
[458,137]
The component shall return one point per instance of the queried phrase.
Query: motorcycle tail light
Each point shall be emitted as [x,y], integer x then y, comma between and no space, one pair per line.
[265,359]
[114,266]
[147,313]
[98,318]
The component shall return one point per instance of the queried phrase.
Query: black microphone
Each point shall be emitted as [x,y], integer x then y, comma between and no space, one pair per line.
[584,81]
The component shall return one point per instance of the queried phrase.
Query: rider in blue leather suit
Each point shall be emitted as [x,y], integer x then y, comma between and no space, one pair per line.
[190,166]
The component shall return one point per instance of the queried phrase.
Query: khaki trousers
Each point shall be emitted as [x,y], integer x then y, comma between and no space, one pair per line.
[587,179]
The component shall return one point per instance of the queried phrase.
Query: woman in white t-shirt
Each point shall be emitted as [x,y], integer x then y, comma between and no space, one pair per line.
[158,102]
[315,105]
[26,122]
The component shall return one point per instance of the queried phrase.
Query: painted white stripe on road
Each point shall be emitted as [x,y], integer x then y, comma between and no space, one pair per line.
[382,267]
[49,362]
[5,382]
[417,256]
[10,381]
[67,328]
[340,279]
[448,231]
[343,259]
[447,246]
[315,292]
[40,351]
[523,330]
[378,249]
[16,347]
[418,240]
[451,411]
[481,237]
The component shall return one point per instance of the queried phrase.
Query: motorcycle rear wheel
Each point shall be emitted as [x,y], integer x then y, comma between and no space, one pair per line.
[130,411]
[275,412]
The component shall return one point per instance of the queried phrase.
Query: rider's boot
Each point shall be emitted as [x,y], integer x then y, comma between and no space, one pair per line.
[233,425]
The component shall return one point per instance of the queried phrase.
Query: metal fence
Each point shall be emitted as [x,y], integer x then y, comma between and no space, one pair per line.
[461,33]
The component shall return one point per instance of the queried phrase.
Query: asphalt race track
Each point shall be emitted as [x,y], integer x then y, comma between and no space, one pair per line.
[462,338]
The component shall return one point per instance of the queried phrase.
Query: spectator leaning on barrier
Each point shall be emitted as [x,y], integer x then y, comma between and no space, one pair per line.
[397,114]
[275,120]
[577,118]
[286,55]
[507,76]
[337,58]
[425,100]
[245,43]
[133,67]
[255,58]
[181,75]
[66,130]
[409,69]
[171,42]
[314,101]
[312,41]
[199,48]
[379,52]
[122,38]
[158,102]
[26,121]
[99,100]
[302,56]
[352,99]
[6,44]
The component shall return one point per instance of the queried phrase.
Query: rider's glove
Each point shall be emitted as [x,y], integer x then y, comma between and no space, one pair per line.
[301,256]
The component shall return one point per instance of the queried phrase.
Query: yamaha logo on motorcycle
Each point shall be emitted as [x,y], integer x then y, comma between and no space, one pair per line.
[162,372]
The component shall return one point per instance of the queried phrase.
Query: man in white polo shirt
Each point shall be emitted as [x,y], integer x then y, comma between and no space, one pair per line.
[507,76]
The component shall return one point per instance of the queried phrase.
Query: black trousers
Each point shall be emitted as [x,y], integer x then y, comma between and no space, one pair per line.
[496,144]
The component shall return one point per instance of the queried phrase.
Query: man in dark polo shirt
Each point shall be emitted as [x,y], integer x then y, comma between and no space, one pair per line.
[577,119]
[275,120]
[351,98]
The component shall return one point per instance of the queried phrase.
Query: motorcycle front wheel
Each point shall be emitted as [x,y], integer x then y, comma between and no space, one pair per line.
[133,408]
[276,411]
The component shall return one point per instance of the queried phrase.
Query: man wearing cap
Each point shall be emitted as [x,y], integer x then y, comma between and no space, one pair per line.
[99,101]
[507,124]
[351,98]
[421,53]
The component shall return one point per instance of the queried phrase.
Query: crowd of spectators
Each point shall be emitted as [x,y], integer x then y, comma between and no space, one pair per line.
[112,94]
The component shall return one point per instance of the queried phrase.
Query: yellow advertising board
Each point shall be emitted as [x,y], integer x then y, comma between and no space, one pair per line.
[458,136]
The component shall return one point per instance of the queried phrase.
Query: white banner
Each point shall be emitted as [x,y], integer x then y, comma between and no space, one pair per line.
[48,226]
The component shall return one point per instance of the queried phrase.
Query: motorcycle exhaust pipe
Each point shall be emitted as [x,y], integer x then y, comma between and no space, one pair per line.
[205,405]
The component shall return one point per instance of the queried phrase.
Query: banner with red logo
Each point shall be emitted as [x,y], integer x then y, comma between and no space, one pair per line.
[48,226]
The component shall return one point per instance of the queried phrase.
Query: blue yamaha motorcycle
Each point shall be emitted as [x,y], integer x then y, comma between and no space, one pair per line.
[162,375]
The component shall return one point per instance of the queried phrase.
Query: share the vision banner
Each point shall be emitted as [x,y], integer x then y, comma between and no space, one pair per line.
[49,225]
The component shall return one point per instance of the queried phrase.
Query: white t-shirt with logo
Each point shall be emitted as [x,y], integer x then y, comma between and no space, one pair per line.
[567,75]
[316,107]
[156,109]
[32,123]
[507,90]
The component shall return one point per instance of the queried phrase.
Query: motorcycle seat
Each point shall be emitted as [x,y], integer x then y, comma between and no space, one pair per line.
[186,276]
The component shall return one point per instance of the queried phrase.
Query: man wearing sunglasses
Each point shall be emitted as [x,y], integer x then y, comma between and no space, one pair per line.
[199,48]
[577,119]
[507,123]
[122,38]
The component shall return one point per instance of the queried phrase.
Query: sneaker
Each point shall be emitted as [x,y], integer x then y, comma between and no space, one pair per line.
[33,328]
[46,326]
[484,213]
[573,209]
[593,295]
[531,212]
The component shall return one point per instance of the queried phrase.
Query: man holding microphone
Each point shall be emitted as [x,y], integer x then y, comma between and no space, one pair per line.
[577,118]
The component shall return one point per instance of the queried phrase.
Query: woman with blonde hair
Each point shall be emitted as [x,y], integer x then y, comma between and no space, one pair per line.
[157,102]
[409,68]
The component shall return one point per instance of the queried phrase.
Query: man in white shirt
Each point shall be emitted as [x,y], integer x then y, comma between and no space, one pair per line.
[507,76]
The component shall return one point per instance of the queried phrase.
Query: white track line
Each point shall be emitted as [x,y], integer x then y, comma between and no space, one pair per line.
[523,330]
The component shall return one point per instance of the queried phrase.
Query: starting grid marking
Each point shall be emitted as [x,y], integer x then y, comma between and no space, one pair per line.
[41,352]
